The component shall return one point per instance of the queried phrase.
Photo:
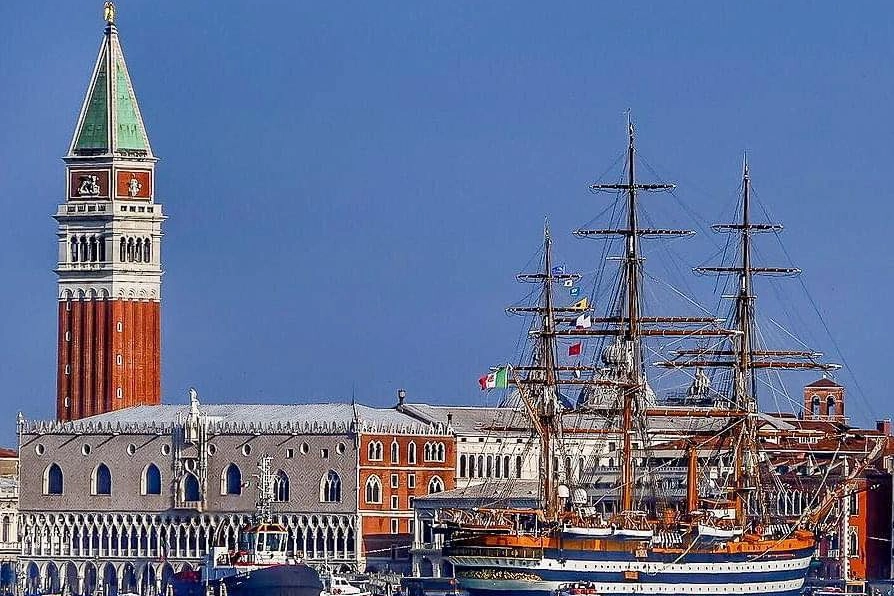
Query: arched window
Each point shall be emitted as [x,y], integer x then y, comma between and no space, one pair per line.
[138,250]
[5,531]
[74,249]
[231,480]
[151,480]
[830,405]
[815,405]
[190,488]
[330,487]
[281,487]
[498,467]
[85,256]
[462,465]
[102,480]
[395,452]
[122,254]
[93,251]
[435,485]
[441,452]
[426,452]
[411,453]
[489,470]
[130,250]
[147,250]
[375,451]
[53,482]
[505,466]
[373,489]
[518,466]
[101,244]
[853,544]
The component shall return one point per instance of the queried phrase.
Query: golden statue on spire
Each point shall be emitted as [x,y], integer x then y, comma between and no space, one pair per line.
[108,12]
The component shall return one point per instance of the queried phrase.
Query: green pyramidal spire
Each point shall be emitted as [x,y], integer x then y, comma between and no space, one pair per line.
[110,120]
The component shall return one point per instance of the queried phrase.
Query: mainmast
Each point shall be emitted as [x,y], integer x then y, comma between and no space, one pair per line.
[548,406]
[630,314]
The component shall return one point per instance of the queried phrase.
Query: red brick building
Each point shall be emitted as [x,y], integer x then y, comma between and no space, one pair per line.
[399,459]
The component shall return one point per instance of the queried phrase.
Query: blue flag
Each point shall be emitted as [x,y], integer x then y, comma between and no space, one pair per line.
[558,270]
[574,291]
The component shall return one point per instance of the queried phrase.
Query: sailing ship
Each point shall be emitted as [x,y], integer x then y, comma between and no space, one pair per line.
[721,540]
[259,565]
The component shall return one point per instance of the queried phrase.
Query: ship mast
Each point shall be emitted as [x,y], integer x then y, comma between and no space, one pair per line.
[744,359]
[539,386]
[745,381]
[548,406]
[631,406]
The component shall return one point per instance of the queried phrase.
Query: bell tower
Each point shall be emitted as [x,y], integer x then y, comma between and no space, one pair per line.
[109,235]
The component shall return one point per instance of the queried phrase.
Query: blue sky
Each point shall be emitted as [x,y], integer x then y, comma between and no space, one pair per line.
[352,188]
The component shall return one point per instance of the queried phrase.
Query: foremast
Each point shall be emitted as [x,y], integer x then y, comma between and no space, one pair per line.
[538,386]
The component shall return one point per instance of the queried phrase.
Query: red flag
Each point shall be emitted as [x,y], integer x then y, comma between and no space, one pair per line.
[574,349]
[483,382]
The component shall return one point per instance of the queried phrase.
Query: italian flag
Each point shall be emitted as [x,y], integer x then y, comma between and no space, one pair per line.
[498,379]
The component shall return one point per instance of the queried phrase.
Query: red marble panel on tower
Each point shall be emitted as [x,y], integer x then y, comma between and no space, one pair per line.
[85,185]
[133,184]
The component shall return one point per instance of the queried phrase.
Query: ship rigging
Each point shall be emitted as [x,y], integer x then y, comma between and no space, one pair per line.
[644,544]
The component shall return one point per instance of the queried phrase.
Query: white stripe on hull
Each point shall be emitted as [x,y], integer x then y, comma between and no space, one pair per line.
[605,589]
[620,566]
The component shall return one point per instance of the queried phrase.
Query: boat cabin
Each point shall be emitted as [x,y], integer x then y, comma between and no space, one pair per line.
[262,544]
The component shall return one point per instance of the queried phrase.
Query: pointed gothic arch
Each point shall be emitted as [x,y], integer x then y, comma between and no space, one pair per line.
[395,451]
[330,487]
[373,492]
[101,480]
[189,488]
[231,480]
[53,480]
[281,487]
[151,480]
[435,485]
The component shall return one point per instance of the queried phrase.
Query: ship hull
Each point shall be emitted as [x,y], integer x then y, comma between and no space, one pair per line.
[781,573]
[276,580]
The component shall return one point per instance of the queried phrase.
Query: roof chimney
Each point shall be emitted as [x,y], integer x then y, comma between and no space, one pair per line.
[449,418]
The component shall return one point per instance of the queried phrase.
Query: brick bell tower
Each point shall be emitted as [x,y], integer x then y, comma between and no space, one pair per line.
[109,270]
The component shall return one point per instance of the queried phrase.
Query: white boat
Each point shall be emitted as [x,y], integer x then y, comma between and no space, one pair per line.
[334,585]
[588,532]
[715,533]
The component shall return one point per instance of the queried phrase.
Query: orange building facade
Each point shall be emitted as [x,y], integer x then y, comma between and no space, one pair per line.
[394,467]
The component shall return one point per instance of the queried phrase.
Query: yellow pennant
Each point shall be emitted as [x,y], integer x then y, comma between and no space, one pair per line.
[581,304]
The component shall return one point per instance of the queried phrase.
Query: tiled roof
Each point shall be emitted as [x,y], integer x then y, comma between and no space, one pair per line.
[469,419]
[824,382]
[522,494]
